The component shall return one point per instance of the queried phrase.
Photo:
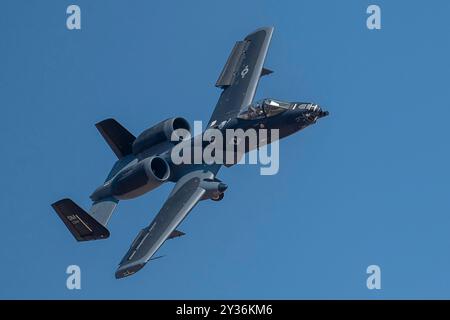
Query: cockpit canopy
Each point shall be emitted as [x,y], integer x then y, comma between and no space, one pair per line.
[263,108]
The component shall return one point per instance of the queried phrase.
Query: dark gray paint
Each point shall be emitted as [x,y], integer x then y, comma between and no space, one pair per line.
[240,94]
[132,176]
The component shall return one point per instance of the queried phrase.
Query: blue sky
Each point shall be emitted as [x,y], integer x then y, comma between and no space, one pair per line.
[367,185]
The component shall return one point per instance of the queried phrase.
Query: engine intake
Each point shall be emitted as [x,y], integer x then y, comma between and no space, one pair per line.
[159,133]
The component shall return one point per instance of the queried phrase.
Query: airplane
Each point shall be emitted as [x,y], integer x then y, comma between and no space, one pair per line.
[144,162]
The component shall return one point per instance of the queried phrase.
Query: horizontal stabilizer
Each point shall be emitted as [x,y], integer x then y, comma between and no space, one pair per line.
[102,210]
[82,226]
[118,138]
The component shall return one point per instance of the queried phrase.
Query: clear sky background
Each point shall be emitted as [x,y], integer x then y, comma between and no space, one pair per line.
[367,185]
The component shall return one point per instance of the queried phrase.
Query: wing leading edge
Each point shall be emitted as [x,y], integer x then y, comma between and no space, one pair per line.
[240,75]
[185,196]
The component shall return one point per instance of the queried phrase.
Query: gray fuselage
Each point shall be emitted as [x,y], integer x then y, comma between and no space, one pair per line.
[135,175]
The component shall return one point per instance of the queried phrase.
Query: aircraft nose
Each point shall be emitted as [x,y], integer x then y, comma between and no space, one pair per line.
[317,111]
[311,113]
[323,114]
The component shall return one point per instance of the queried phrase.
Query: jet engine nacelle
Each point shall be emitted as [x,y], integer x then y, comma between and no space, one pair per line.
[144,176]
[214,189]
[159,133]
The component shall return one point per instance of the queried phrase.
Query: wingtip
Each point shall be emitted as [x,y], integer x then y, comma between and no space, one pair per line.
[268,30]
[128,270]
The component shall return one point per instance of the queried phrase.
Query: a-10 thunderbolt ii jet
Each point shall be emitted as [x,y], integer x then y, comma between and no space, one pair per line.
[144,162]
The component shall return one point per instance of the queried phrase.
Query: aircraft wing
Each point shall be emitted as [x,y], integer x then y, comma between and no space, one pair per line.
[240,75]
[184,197]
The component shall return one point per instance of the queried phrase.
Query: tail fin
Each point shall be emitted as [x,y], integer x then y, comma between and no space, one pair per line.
[118,138]
[82,226]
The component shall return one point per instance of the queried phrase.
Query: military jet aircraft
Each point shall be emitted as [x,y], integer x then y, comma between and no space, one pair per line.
[144,162]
